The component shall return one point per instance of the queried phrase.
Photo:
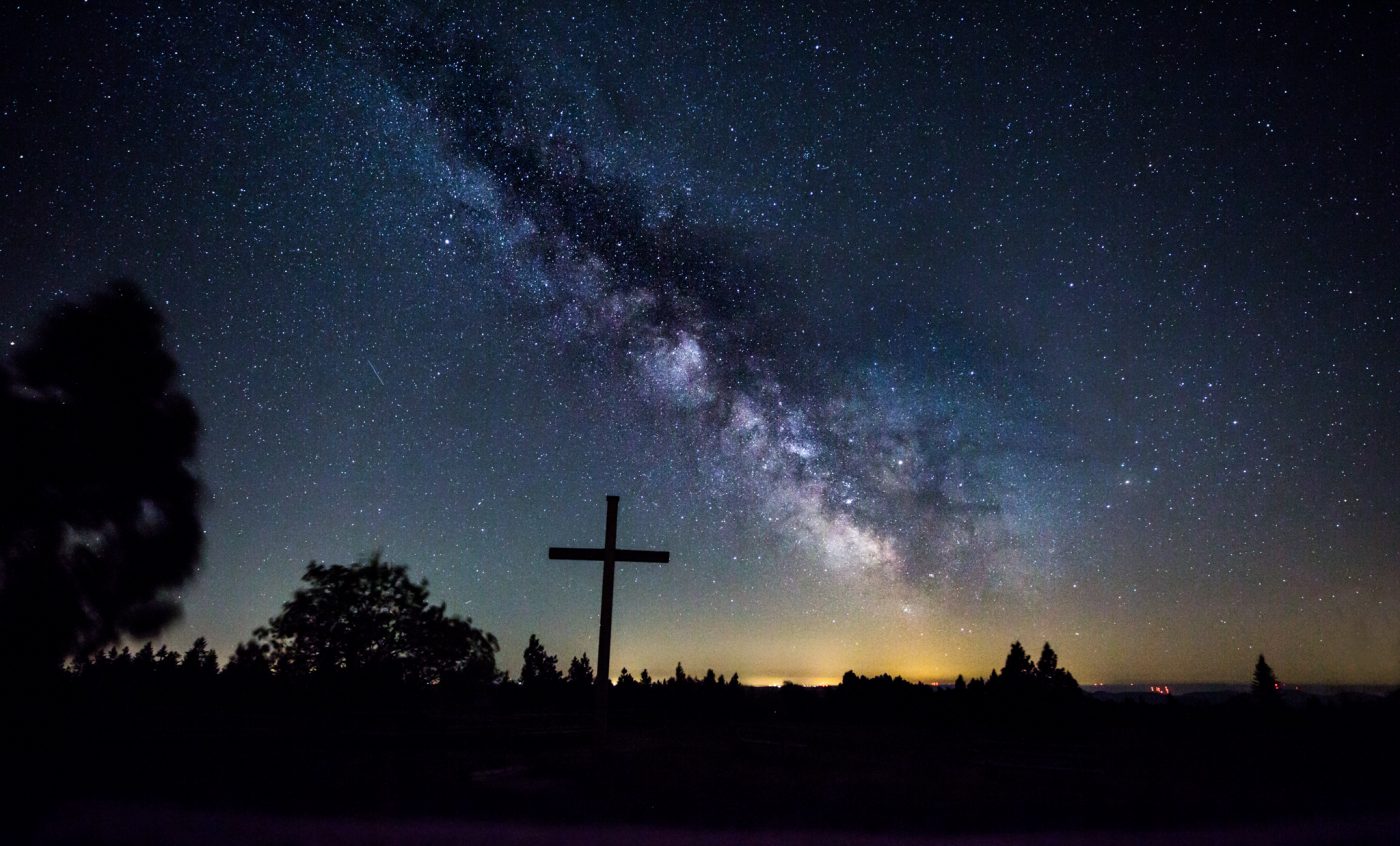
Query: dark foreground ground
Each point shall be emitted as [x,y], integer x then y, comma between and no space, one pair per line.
[740,766]
[136,824]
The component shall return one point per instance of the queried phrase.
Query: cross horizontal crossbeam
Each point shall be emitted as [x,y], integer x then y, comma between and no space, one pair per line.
[579,553]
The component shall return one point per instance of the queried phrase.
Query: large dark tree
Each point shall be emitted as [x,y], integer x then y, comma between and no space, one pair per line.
[371,620]
[99,518]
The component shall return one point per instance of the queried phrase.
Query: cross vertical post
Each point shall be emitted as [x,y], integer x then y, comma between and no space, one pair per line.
[609,555]
[605,615]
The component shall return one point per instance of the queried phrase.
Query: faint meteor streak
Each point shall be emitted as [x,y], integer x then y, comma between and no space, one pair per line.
[376,373]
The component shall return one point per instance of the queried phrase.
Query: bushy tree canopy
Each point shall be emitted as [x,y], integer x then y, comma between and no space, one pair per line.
[371,619]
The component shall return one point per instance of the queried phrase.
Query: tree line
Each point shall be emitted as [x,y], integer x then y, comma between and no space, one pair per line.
[540,670]
[369,623]
[1018,676]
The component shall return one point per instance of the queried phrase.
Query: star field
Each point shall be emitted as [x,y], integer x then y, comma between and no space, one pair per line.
[909,331]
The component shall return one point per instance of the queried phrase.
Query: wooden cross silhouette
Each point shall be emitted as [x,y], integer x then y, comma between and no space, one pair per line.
[609,555]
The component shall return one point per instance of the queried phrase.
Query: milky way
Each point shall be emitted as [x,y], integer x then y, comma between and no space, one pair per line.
[910,331]
[868,485]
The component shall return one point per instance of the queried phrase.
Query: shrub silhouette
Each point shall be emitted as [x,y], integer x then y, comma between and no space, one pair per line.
[99,518]
[370,620]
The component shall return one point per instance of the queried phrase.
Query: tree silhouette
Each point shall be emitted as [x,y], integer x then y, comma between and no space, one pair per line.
[1019,677]
[250,660]
[99,517]
[1018,665]
[580,671]
[144,662]
[167,663]
[200,661]
[371,620]
[734,680]
[1265,685]
[645,678]
[540,668]
[1051,675]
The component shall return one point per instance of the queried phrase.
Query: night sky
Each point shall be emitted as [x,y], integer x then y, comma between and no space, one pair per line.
[909,331]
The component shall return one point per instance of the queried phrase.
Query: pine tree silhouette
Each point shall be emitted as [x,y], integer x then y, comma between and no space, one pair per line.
[540,668]
[580,671]
[1265,686]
